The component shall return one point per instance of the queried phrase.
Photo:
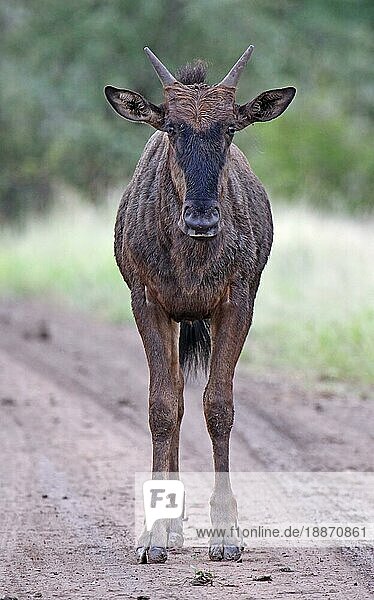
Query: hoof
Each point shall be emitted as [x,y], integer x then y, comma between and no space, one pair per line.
[216,552]
[156,554]
[175,540]
[141,555]
[233,553]
[221,552]
[153,555]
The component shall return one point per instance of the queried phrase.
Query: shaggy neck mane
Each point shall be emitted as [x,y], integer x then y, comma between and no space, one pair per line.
[193,73]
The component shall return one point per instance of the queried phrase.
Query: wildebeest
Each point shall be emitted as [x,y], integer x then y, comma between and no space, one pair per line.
[192,236]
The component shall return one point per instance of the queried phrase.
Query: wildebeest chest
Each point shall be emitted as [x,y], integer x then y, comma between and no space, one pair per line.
[189,278]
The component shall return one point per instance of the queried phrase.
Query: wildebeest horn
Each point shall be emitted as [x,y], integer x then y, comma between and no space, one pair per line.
[232,77]
[164,75]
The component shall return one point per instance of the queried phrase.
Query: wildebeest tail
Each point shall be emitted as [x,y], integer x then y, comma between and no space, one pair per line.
[194,347]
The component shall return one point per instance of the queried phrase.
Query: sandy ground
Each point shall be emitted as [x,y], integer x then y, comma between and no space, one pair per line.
[73,414]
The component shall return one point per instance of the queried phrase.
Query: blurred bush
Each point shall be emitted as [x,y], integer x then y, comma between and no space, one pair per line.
[55,58]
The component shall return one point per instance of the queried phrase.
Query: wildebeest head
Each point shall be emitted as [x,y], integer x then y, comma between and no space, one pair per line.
[200,121]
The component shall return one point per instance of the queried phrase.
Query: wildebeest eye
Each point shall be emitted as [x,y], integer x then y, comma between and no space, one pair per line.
[170,129]
[231,129]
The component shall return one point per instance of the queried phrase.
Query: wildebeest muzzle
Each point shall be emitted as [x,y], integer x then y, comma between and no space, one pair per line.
[200,222]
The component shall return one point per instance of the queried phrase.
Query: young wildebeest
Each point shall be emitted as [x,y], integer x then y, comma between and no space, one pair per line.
[193,234]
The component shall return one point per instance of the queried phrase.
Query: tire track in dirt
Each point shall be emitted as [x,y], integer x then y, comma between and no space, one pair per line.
[81,410]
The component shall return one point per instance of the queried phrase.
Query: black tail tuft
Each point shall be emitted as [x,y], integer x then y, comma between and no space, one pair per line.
[194,347]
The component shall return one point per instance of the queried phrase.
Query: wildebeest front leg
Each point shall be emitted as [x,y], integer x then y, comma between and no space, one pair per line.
[229,328]
[160,338]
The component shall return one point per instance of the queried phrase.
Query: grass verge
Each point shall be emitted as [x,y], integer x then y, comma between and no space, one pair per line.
[314,311]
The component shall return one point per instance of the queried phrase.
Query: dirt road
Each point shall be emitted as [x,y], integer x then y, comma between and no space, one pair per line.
[73,415]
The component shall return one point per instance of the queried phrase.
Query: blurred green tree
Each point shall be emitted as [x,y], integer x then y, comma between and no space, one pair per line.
[55,58]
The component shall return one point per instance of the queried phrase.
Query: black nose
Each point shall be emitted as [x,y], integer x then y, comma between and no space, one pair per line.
[201,222]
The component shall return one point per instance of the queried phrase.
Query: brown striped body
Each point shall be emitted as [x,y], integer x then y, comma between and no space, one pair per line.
[192,237]
[190,277]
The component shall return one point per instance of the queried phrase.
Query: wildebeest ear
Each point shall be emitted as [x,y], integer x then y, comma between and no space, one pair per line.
[134,107]
[265,107]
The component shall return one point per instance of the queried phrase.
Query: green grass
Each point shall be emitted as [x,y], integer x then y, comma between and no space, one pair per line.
[315,307]
[314,312]
[68,256]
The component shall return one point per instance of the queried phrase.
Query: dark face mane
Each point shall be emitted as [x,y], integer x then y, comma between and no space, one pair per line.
[199,122]
[201,156]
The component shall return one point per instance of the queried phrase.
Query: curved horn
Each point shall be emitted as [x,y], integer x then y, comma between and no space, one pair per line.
[232,77]
[164,75]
